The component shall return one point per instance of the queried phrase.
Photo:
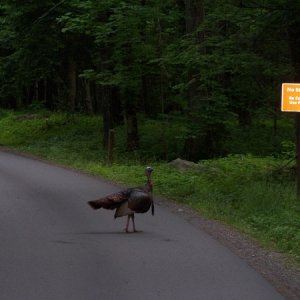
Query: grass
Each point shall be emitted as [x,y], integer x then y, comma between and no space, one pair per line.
[254,194]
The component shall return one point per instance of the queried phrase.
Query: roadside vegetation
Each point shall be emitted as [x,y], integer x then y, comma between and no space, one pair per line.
[252,192]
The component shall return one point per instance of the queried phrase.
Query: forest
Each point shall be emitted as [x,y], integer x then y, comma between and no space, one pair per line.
[209,66]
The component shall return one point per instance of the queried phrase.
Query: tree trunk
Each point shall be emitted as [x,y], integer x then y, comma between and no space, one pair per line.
[49,94]
[132,129]
[131,121]
[244,116]
[72,84]
[88,96]
[194,16]
[36,92]
[106,111]
[45,91]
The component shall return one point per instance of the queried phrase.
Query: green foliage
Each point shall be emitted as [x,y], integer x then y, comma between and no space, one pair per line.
[28,54]
[162,139]
[45,132]
[124,33]
[262,138]
[157,57]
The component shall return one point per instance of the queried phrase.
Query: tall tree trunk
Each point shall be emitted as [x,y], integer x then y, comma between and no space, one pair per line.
[36,91]
[194,16]
[88,96]
[132,128]
[131,120]
[106,111]
[45,96]
[50,93]
[111,111]
[72,83]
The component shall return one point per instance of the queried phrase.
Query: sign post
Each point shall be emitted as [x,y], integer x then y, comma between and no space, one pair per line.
[290,102]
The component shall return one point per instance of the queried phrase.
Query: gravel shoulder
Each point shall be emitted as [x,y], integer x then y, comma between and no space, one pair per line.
[276,267]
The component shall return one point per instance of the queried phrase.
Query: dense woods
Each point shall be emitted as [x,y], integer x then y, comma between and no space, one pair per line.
[209,64]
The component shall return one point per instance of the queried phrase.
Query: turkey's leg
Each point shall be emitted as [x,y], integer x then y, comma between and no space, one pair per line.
[133,224]
[127,224]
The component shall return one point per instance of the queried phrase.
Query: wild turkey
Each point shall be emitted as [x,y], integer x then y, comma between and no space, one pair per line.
[129,202]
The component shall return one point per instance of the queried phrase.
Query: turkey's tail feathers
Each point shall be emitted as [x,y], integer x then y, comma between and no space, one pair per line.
[111,201]
[95,204]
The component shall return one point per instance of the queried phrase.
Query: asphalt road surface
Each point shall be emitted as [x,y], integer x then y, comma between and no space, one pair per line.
[53,246]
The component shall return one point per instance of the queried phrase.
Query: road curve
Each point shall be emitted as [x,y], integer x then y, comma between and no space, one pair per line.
[53,246]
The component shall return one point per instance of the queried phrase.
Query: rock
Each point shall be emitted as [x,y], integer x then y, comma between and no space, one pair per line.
[26,117]
[184,165]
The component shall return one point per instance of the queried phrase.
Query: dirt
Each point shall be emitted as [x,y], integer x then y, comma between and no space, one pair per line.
[275,267]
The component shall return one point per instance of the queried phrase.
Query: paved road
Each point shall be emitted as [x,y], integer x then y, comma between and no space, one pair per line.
[53,246]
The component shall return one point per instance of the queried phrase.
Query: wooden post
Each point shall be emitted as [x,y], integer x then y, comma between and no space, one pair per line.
[298,152]
[290,103]
[110,146]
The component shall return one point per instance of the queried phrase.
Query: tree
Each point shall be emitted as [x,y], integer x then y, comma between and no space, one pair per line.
[212,63]
[128,45]
[33,60]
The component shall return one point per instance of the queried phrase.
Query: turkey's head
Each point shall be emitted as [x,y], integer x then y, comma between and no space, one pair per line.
[148,172]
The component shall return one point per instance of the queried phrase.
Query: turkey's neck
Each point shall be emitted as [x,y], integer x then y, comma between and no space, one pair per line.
[149,185]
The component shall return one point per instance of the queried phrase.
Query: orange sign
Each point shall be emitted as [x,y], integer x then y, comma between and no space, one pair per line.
[290,97]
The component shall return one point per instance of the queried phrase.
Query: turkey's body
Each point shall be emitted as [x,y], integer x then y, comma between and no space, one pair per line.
[128,202]
[138,202]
